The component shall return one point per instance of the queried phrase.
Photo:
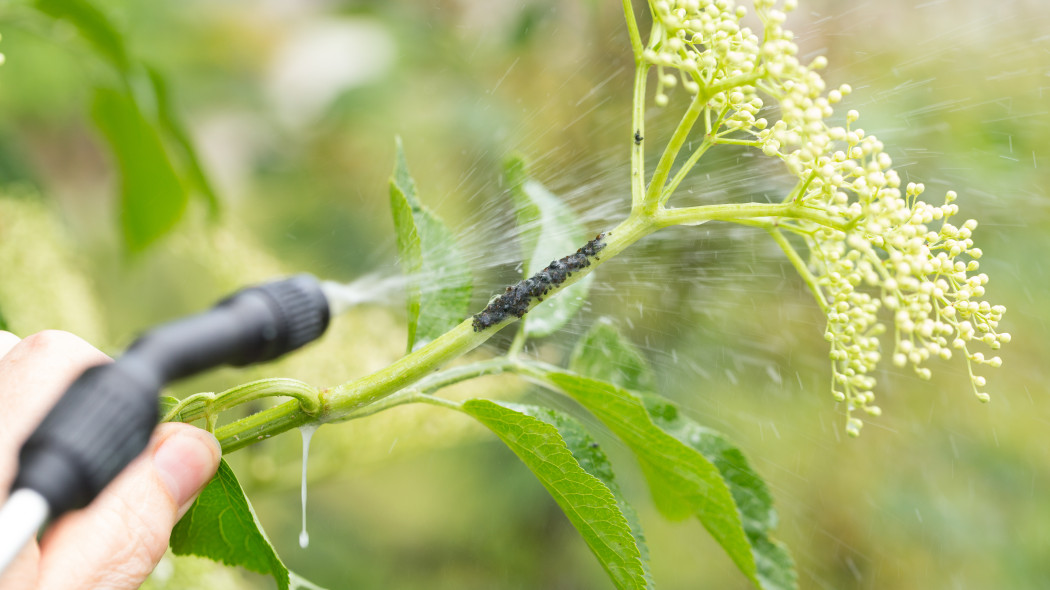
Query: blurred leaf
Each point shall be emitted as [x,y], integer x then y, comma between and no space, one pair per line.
[172,125]
[548,230]
[3,322]
[151,197]
[682,480]
[604,353]
[530,17]
[439,283]
[578,476]
[222,526]
[408,246]
[93,24]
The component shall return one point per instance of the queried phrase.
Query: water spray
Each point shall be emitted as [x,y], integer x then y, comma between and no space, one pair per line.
[105,418]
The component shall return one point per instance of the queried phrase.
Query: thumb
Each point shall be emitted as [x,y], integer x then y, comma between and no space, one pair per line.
[117,540]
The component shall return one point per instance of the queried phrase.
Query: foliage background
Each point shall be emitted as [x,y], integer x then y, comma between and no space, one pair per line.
[294,106]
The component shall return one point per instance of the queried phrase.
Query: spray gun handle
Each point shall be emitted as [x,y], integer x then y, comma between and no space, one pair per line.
[104,420]
[100,424]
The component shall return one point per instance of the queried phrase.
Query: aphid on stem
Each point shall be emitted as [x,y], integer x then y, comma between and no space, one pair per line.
[517,298]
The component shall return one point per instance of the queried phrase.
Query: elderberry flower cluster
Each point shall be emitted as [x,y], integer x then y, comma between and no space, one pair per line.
[876,249]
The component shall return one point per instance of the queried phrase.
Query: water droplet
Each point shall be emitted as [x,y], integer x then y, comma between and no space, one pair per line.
[307,432]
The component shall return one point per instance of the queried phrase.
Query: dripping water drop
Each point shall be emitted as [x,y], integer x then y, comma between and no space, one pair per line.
[307,432]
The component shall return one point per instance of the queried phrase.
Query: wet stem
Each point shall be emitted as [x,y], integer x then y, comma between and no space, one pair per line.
[413,377]
[414,374]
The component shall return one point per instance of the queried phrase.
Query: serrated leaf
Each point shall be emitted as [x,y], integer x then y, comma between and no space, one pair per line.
[682,480]
[93,25]
[152,198]
[606,354]
[775,567]
[439,283]
[577,474]
[548,230]
[593,460]
[222,526]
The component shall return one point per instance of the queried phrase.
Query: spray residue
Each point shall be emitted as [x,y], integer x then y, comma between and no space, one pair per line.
[307,432]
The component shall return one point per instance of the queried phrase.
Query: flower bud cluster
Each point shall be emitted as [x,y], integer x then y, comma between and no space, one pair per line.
[883,252]
[704,41]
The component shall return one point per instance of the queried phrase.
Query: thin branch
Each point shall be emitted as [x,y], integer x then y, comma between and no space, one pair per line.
[800,266]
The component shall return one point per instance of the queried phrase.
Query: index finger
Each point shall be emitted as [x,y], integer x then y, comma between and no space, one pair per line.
[33,375]
[7,342]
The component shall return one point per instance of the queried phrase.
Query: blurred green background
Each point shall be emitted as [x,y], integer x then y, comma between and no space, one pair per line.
[292,107]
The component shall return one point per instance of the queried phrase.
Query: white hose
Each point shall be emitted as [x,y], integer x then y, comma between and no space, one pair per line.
[20,518]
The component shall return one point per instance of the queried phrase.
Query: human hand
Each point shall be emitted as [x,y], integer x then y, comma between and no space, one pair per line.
[116,541]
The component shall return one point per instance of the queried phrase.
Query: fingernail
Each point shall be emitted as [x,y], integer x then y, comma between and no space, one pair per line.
[185,462]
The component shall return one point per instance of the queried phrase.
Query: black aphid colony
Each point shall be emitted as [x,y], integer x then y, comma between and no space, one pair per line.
[517,299]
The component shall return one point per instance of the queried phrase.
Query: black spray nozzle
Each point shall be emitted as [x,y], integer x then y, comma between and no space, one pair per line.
[104,420]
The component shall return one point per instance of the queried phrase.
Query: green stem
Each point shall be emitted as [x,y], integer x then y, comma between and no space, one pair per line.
[641,71]
[342,401]
[346,401]
[731,141]
[453,375]
[735,212]
[796,195]
[262,425]
[663,168]
[518,343]
[632,29]
[435,382]
[438,401]
[685,169]
[800,267]
[203,405]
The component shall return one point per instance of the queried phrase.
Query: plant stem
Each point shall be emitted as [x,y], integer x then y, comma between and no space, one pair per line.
[342,401]
[261,425]
[663,168]
[202,405]
[734,212]
[641,71]
[800,266]
[437,401]
[684,170]
[345,401]
[632,29]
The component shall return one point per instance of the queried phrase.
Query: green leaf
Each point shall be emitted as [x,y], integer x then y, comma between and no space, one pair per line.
[167,403]
[577,474]
[606,354]
[151,197]
[93,24]
[548,230]
[775,567]
[593,460]
[682,480]
[3,322]
[439,283]
[172,125]
[222,526]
